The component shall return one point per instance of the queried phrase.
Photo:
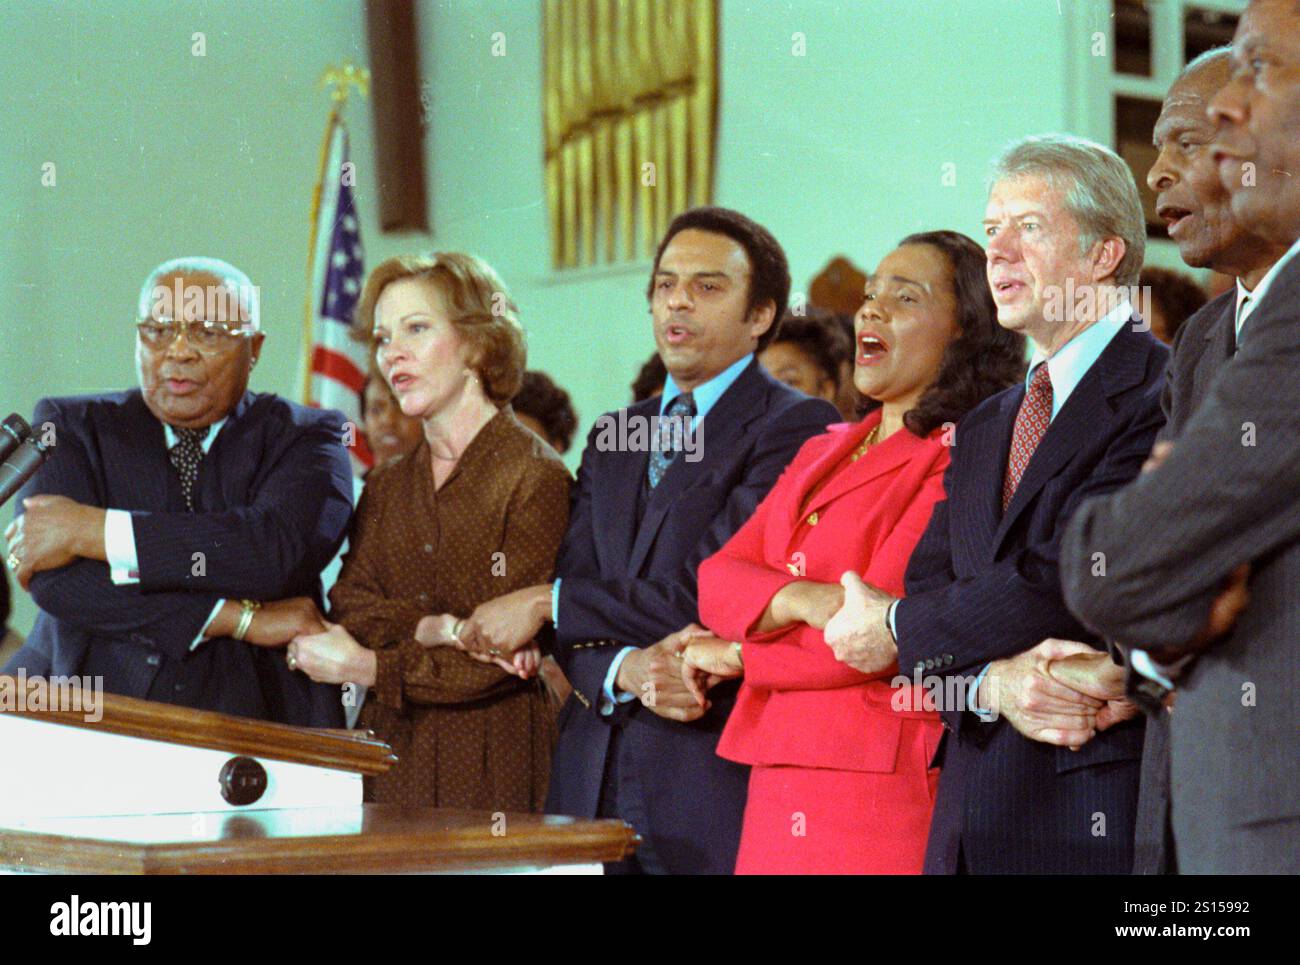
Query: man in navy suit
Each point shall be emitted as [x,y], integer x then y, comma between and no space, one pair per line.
[169,520]
[634,743]
[1065,242]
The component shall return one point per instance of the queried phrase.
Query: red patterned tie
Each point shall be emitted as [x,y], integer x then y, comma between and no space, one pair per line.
[1031,425]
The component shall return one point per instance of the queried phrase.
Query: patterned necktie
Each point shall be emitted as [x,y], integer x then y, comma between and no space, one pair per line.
[671,429]
[185,457]
[1031,425]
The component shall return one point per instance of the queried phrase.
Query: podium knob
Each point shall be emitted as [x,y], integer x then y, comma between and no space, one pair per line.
[243,780]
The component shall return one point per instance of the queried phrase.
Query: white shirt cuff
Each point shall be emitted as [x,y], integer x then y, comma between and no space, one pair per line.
[207,623]
[973,696]
[119,547]
[607,691]
[1141,661]
[889,615]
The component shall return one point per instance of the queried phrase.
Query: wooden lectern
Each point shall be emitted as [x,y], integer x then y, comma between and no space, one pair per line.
[136,787]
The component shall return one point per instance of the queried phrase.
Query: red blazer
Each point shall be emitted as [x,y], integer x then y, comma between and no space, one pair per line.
[798,704]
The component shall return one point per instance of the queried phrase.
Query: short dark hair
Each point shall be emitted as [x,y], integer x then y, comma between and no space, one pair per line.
[1177,296]
[550,405]
[769,272]
[650,379]
[820,335]
[985,358]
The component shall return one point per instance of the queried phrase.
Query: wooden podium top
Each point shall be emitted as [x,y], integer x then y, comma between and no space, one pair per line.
[339,749]
[361,839]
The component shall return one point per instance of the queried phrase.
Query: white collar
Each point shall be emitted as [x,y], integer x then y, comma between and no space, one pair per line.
[169,434]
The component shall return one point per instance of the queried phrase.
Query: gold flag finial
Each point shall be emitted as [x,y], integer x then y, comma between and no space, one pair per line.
[342,77]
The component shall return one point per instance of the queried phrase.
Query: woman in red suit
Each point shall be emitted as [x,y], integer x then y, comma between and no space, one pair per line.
[840,778]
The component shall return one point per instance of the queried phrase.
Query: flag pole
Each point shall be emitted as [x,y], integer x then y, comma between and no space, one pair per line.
[341,78]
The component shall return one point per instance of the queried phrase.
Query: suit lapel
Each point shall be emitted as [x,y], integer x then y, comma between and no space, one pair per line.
[884,458]
[986,443]
[616,492]
[1086,413]
[236,436]
[721,428]
[149,467]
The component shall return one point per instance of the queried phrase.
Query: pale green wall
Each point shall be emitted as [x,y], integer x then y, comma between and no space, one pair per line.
[160,153]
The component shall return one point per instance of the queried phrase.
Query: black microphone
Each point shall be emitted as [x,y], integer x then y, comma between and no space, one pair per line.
[13,431]
[20,467]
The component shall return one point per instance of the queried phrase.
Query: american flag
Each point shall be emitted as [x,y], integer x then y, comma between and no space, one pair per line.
[338,362]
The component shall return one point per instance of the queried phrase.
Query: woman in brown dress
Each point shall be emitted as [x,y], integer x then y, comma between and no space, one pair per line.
[477,510]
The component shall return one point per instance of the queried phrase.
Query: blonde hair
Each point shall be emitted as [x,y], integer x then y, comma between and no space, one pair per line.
[478,306]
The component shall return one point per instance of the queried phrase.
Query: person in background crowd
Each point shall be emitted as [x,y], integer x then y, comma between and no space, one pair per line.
[849,401]
[477,510]
[848,750]
[649,381]
[807,353]
[545,408]
[389,432]
[1174,299]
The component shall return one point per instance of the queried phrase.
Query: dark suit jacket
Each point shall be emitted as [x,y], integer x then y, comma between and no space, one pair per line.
[630,579]
[1227,495]
[1203,346]
[983,585]
[272,500]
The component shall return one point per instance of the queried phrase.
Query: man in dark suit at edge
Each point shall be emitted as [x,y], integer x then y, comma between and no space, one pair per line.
[633,742]
[1066,237]
[1218,507]
[169,520]
[1198,210]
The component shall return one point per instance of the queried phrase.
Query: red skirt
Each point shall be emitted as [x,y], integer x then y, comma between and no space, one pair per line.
[804,820]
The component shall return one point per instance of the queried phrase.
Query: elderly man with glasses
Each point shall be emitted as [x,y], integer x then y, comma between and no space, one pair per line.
[175,537]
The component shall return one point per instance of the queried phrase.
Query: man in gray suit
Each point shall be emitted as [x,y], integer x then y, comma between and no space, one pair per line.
[1147,564]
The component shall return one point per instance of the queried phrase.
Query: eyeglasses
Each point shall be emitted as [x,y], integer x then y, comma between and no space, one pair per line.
[208,337]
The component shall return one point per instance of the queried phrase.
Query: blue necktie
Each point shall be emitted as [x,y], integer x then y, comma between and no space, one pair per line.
[671,430]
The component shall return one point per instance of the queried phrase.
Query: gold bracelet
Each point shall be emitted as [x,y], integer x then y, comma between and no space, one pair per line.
[247,609]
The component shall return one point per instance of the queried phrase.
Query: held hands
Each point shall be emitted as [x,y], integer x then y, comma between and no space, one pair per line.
[654,674]
[441,630]
[499,627]
[1024,690]
[859,633]
[706,662]
[803,601]
[52,532]
[333,656]
[1096,675]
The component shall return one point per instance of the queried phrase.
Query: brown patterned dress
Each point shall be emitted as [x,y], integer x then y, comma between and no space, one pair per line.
[467,734]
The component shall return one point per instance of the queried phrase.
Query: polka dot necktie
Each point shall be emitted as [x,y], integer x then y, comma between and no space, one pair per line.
[1031,425]
[670,430]
[185,457]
